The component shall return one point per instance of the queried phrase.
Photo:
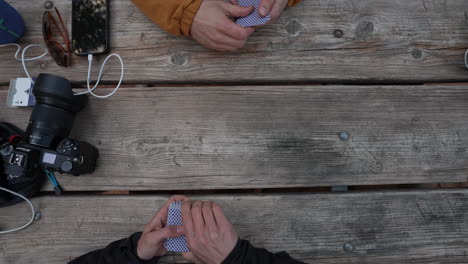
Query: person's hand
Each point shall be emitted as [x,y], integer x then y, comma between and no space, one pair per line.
[272,7]
[213,28]
[151,241]
[210,236]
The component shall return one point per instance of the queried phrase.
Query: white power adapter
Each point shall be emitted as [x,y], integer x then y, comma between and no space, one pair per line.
[20,93]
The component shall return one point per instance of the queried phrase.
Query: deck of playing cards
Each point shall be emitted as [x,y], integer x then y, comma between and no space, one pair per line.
[254,19]
[174,218]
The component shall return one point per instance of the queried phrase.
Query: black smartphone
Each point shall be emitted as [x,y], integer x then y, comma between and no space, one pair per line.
[90,27]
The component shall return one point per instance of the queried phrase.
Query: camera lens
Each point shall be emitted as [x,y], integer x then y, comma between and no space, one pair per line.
[48,125]
[54,113]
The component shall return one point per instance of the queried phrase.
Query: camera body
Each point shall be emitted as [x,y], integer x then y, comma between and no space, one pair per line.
[71,156]
[46,144]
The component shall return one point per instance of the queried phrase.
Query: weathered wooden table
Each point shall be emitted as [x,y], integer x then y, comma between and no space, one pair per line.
[258,131]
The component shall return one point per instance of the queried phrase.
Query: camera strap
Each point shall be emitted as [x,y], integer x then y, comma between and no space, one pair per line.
[9,132]
[26,185]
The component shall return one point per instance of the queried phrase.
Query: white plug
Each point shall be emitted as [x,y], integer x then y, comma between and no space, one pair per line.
[19,93]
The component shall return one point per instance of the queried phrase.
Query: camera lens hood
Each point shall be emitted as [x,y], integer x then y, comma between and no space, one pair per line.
[57,91]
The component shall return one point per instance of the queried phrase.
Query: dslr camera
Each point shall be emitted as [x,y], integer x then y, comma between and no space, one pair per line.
[46,144]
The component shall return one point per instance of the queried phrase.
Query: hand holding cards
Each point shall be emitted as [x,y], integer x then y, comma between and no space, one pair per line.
[254,18]
[210,235]
[213,27]
[174,218]
[155,233]
[199,230]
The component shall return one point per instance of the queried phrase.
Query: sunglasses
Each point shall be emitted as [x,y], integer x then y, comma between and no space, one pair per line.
[50,25]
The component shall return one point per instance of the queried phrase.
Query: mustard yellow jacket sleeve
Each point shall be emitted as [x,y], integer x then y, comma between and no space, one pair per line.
[293,2]
[175,16]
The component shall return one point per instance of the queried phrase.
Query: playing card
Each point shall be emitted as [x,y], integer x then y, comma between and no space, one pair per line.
[174,218]
[254,19]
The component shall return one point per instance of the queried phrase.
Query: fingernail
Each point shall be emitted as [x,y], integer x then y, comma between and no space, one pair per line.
[263,11]
[179,229]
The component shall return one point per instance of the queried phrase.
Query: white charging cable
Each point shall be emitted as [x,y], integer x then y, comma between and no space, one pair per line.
[466,58]
[90,91]
[33,212]
[90,62]
[27,47]
[88,80]
[23,59]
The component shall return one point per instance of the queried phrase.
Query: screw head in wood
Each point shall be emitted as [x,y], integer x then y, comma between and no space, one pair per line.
[48,4]
[348,247]
[37,216]
[343,135]
[338,33]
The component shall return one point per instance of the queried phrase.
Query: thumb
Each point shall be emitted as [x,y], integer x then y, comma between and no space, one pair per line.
[171,231]
[237,11]
[265,7]
[167,232]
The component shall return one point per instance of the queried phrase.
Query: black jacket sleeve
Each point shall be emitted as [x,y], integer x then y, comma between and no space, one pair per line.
[245,253]
[124,252]
[119,252]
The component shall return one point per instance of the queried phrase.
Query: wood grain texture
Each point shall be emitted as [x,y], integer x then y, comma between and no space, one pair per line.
[385,227]
[385,41]
[179,138]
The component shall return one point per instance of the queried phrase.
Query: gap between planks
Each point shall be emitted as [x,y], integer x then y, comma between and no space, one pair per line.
[310,190]
[108,84]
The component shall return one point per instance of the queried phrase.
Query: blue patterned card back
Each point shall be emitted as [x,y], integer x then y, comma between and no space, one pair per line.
[174,218]
[254,19]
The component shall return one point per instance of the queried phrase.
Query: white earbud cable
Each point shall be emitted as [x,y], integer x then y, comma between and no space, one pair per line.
[23,60]
[33,212]
[90,91]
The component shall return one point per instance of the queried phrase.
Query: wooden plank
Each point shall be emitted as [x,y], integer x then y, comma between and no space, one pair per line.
[385,41]
[180,138]
[384,227]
